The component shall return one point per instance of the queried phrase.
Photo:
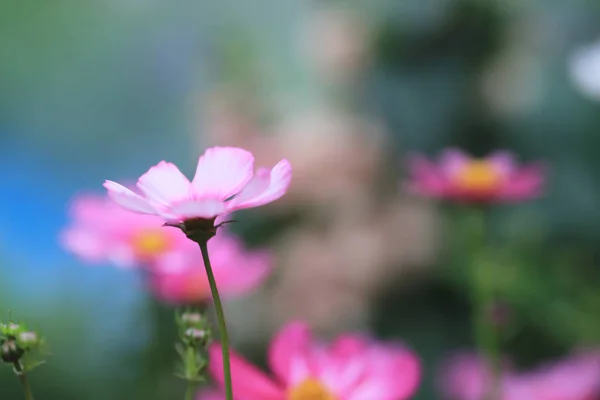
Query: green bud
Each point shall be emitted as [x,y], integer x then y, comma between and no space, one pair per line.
[10,352]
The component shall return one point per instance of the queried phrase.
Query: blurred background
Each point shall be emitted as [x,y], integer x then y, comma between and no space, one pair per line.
[343,89]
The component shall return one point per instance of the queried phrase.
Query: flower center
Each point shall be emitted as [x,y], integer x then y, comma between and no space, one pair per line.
[310,389]
[150,243]
[478,176]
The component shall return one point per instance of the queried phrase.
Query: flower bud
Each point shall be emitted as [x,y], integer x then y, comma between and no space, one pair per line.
[191,318]
[10,329]
[197,336]
[28,338]
[10,352]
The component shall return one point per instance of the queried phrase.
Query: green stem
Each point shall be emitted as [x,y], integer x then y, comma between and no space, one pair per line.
[220,320]
[23,378]
[486,334]
[190,391]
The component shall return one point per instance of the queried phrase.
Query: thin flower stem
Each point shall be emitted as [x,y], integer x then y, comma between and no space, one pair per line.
[190,391]
[486,334]
[23,378]
[220,321]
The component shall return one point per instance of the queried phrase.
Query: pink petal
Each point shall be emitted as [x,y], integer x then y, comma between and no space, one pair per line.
[404,372]
[524,184]
[249,383]
[288,354]
[504,162]
[176,287]
[425,177]
[452,161]
[127,199]
[180,276]
[164,184]
[89,208]
[464,377]
[222,172]
[85,244]
[245,275]
[257,185]
[349,345]
[394,374]
[203,208]
[123,256]
[347,363]
[573,379]
[211,394]
[264,188]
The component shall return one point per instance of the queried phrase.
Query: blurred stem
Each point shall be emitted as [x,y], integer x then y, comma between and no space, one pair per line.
[190,391]
[220,320]
[23,378]
[484,298]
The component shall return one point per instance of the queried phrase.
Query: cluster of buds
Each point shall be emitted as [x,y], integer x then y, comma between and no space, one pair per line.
[194,336]
[16,344]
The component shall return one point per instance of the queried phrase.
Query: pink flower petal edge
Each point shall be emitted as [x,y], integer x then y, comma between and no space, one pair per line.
[128,199]
[180,278]
[577,377]
[525,183]
[456,177]
[100,231]
[224,182]
[264,187]
[222,172]
[249,382]
[353,367]
[288,353]
[427,178]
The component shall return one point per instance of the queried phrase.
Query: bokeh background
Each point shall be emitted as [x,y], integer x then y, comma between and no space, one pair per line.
[103,89]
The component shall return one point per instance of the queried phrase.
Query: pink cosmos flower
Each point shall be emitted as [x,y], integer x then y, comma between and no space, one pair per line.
[576,378]
[181,278]
[457,176]
[224,182]
[102,231]
[353,367]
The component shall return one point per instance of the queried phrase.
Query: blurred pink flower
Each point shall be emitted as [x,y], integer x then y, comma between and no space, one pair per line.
[457,176]
[353,367]
[102,231]
[224,182]
[181,278]
[211,395]
[577,378]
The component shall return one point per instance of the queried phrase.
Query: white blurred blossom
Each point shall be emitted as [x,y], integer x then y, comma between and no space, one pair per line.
[584,68]
[336,41]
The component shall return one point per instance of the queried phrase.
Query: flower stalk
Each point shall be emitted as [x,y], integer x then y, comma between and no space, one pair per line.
[484,298]
[190,391]
[220,320]
[23,378]
[201,230]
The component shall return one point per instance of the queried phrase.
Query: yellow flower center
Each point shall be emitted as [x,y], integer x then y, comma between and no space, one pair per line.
[310,389]
[478,176]
[150,243]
